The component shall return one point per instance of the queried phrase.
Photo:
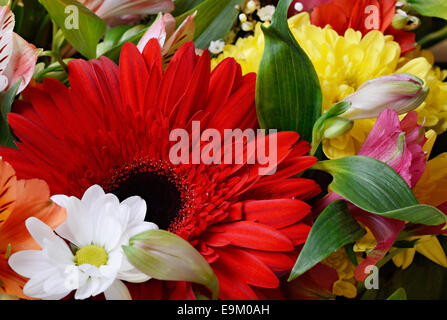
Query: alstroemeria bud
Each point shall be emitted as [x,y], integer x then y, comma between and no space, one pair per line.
[402,92]
[165,256]
[400,20]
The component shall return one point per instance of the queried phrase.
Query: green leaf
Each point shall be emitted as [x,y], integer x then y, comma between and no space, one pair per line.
[165,256]
[288,93]
[333,229]
[181,6]
[84,33]
[6,101]
[349,249]
[213,21]
[375,187]
[430,8]
[399,294]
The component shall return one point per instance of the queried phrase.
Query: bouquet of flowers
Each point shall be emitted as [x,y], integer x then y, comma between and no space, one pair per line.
[223,149]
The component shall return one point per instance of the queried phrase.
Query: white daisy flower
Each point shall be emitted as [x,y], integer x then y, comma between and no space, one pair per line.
[96,227]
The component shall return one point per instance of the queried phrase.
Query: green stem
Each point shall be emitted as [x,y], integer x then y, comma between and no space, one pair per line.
[55,57]
[433,38]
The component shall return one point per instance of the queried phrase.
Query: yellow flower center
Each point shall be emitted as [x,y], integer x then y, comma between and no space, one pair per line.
[91,254]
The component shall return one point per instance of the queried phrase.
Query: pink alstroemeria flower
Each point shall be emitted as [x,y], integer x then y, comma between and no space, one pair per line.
[120,12]
[17,57]
[168,37]
[398,144]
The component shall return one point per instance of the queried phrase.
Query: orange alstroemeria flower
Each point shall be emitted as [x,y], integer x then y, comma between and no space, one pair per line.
[19,200]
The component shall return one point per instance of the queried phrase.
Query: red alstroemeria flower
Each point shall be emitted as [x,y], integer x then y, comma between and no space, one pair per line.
[345,14]
[112,127]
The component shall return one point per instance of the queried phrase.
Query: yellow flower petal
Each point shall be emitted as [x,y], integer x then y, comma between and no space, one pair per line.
[403,259]
[431,189]
[430,247]
[345,289]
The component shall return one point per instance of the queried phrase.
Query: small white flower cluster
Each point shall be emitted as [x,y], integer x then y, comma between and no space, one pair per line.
[216,47]
[265,14]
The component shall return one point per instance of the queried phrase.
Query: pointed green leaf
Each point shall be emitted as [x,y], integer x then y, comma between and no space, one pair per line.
[81,27]
[399,294]
[6,101]
[165,256]
[430,8]
[375,187]
[288,93]
[213,21]
[333,229]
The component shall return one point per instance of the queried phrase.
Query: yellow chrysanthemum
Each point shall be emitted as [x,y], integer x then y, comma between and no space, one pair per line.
[343,64]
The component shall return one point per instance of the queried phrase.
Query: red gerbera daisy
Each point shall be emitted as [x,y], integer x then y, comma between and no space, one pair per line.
[112,126]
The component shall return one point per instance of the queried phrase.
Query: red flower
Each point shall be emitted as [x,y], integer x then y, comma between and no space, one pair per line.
[356,14]
[111,128]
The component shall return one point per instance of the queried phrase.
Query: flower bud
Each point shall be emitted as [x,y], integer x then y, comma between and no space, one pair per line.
[400,20]
[402,92]
[165,256]
[405,22]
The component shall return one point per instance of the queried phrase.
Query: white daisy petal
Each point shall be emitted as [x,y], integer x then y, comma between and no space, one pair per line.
[108,231]
[34,288]
[138,228]
[27,263]
[40,231]
[56,285]
[92,194]
[105,283]
[87,290]
[61,200]
[64,231]
[58,251]
[138,208]
[117,291]
[133,275]
[78,222]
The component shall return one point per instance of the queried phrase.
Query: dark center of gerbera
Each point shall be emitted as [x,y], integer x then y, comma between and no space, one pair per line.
[166,194]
